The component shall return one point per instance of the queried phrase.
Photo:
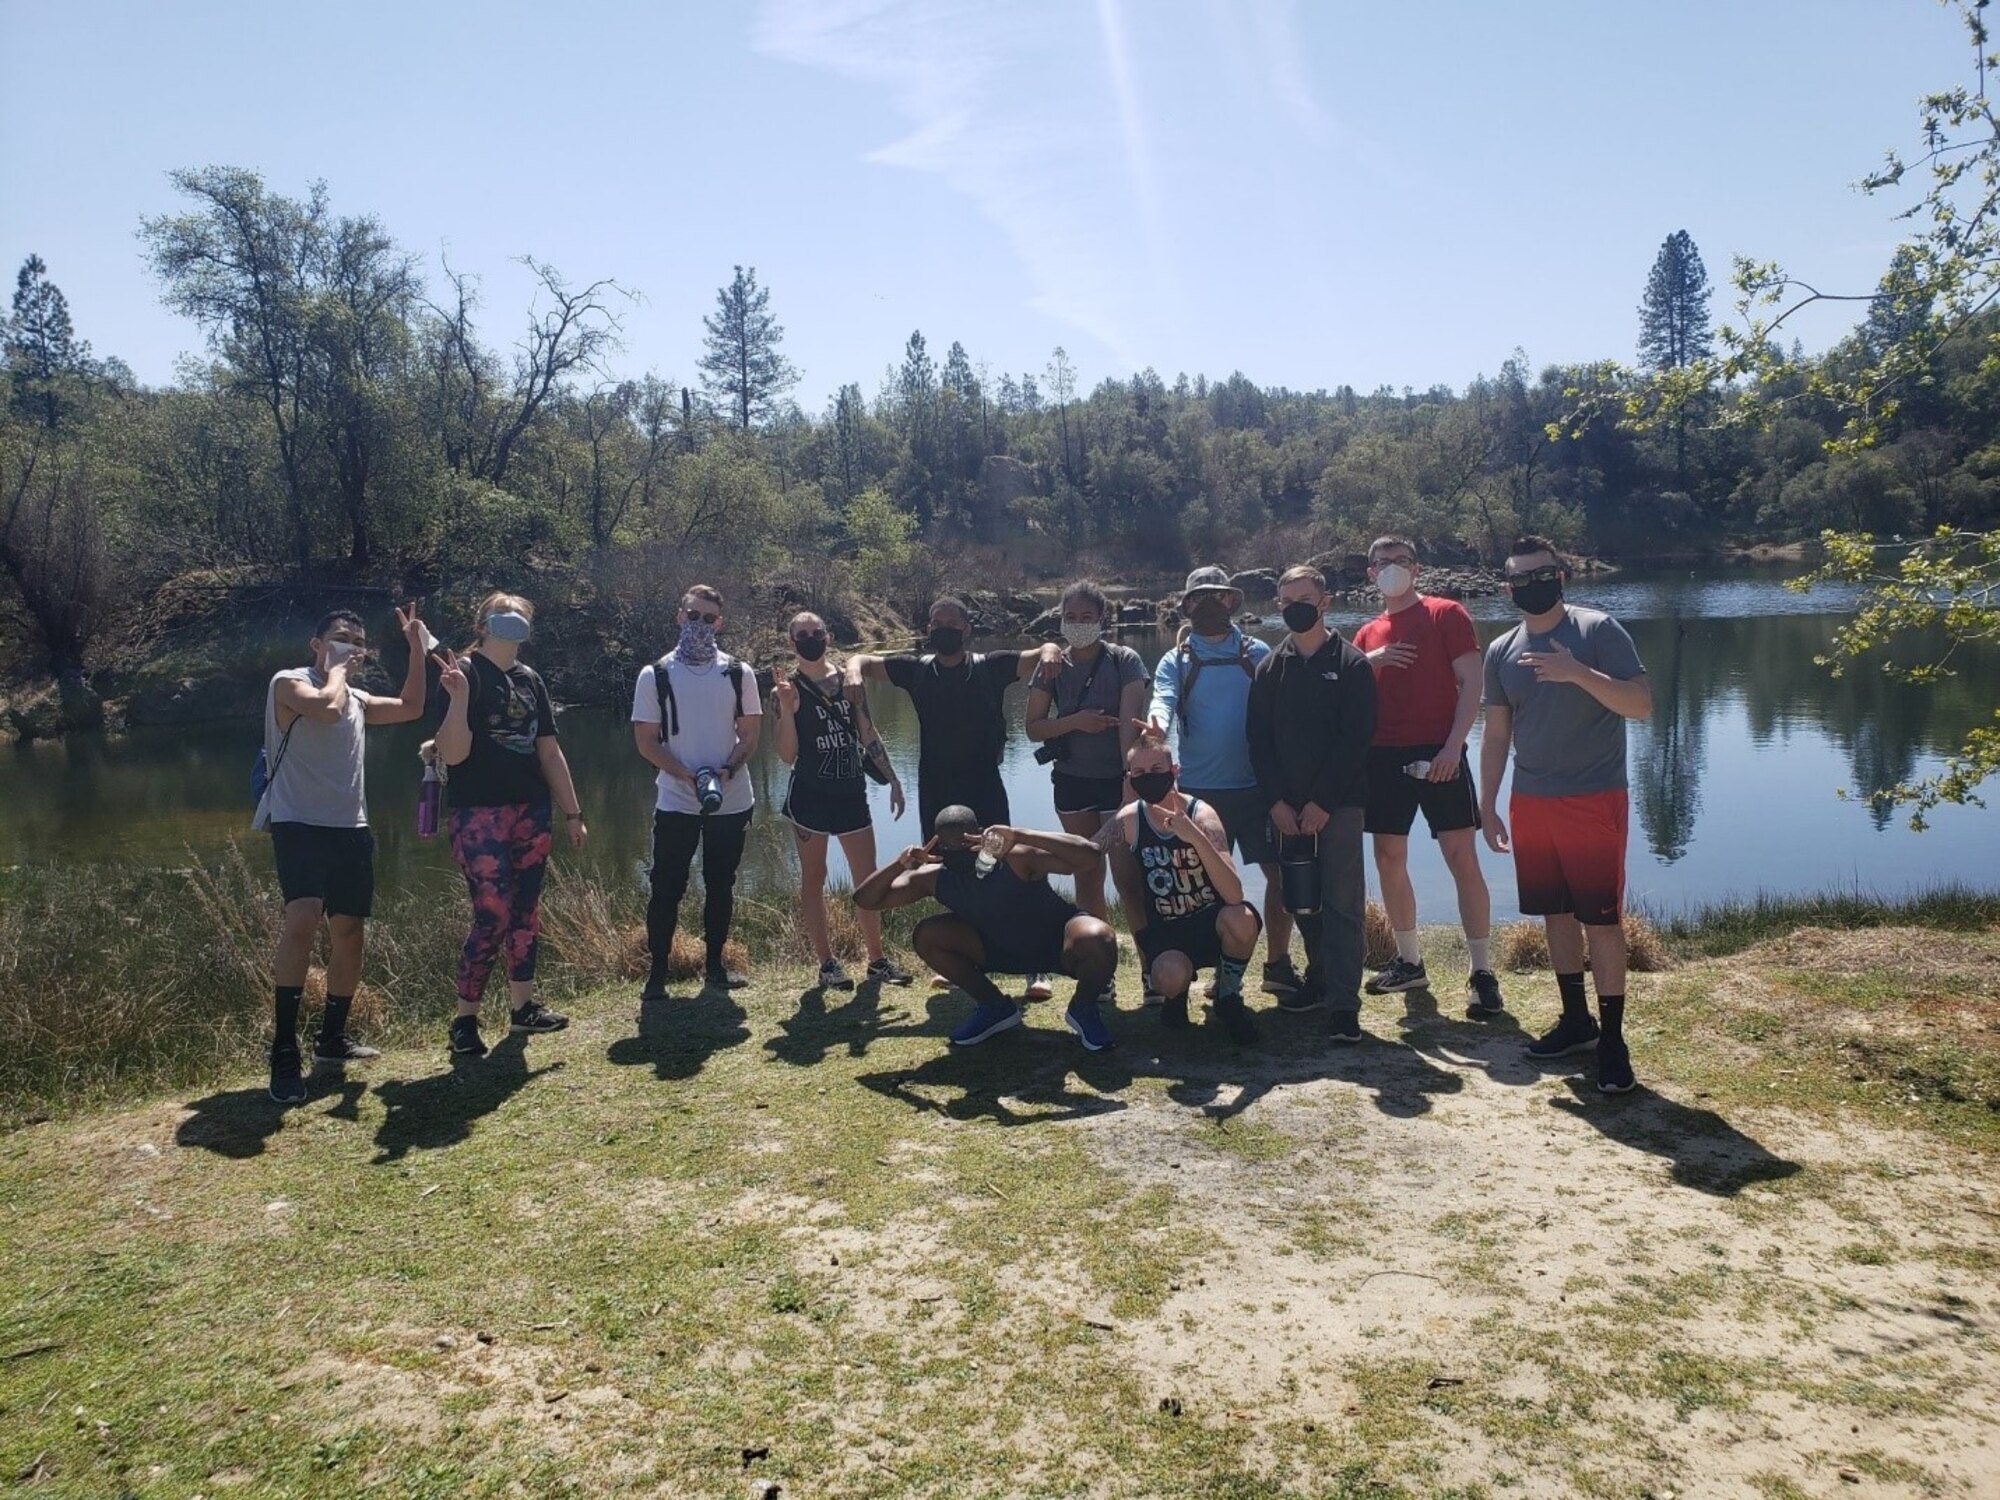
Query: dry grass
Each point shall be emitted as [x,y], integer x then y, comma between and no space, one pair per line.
[1524,946]
[1378,938]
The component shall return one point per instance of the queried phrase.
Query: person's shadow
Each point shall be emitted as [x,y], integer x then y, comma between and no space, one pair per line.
[240,1123]
[812,1031]
[1495,1044]
[677,1037]
[1707,1152]
[1020,1077]
[428,1114]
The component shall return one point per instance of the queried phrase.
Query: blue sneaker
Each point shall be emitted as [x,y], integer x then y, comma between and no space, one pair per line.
[988,1020]
[1087,1021]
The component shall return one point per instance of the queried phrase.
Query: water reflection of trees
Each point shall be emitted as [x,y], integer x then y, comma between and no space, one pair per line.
[1882,727]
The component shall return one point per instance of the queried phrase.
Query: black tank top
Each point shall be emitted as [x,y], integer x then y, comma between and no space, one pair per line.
[829,739]
[1001,905]
[1177,883]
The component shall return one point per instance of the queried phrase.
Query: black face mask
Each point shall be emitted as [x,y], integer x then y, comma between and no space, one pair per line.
[1209,616]
[958,861]
[1153,786]
[810,647]
[1300,616]
[1537,598]
[947,640]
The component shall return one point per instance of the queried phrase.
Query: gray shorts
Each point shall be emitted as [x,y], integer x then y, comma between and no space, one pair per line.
[1246,818]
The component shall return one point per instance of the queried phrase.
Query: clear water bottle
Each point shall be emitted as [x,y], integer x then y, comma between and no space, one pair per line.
[429,796]
[1420,769]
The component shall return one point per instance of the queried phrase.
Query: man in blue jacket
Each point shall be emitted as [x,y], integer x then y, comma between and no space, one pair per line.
[1201,697]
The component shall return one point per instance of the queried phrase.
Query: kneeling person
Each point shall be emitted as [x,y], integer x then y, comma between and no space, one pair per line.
[1003,918]
[1182,894]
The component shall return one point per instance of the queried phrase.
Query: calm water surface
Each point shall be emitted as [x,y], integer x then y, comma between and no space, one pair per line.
[1735,780]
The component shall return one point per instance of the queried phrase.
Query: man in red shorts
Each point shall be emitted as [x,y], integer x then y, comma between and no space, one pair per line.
[1427,689]
[1559,687]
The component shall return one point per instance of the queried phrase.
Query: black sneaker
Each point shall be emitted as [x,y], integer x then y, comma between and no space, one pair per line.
[1280,978]
[536,1017]
[725,979]
[1345,1026]
[1399,976]
[1234,1017]
[1174,1011]
[341,1050]
[288,1084]
[1308,996]
[833,977]
[1570,1034]
[653,993]
[1483,994]
[1614,1067]
[465,1038]
[886,971]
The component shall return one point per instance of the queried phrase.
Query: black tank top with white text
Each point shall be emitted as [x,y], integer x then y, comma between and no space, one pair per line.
[1177,884]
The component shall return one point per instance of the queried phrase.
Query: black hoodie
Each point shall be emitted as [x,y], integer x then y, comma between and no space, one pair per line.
[1310,720]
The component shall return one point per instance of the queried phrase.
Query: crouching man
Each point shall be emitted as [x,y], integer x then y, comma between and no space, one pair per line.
[1001,917]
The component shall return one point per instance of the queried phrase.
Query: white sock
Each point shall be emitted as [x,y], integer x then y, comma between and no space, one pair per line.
[1407,949]
[1481,950]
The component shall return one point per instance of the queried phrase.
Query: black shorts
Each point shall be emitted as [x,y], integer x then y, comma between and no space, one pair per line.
[987,799]
[1394,795]
[817,808]
[1199,937]
[1079,794]
[1246,818]
[333,866]
[1038,950]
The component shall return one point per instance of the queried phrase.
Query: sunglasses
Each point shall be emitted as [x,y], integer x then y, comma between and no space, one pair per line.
[810,635]
[695,614]
[1539,575]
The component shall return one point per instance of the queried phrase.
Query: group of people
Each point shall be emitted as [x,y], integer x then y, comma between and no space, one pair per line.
[1288,757]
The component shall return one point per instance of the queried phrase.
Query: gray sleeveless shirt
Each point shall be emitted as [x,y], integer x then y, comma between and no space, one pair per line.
[320,780]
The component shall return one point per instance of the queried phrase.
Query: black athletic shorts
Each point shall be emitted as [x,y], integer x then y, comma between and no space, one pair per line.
[986,797]
[817,808]
[1198,937]
[1246,818]
[1037,950]
[1101,794]
[333,866]
[1394,795]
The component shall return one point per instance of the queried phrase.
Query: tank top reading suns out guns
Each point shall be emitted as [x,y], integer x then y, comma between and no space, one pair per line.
[1177,883]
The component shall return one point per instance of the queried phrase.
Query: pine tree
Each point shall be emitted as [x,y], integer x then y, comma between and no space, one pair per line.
[743,364]
[41,345]
[1673,316]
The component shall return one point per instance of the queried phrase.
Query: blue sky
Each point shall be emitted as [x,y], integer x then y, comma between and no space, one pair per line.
[1313,193]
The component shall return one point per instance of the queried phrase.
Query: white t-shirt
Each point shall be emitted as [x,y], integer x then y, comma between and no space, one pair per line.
[707,713]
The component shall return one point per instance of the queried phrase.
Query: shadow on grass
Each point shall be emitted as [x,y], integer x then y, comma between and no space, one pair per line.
[678,1037]
[1705,1151]
[238,1124]
[812,1031]
[427,1114]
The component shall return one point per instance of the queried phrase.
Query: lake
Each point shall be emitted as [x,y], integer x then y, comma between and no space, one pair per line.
[1735,780]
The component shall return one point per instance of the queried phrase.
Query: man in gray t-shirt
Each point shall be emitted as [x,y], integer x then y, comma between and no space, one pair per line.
[1559,687]
[316,808]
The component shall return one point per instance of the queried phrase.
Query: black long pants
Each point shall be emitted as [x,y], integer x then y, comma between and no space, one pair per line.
[720,838]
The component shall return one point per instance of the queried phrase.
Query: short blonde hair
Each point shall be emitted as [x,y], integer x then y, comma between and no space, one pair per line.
[1301,572]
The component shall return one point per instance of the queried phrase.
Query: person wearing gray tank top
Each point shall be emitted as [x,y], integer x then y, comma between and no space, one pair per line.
[317,809]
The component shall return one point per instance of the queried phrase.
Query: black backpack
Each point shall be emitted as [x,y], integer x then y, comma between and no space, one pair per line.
[670,709]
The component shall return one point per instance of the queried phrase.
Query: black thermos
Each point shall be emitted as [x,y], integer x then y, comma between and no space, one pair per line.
[1298,873]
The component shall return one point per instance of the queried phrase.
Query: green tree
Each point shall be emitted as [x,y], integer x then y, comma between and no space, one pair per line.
[1674,327]
[40,345]
[743,366]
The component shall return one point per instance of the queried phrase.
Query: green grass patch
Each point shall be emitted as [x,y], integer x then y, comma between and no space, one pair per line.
[1721,928]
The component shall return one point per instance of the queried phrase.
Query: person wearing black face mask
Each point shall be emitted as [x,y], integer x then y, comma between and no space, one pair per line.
[1002,917]
[1559,687]
[1311,717]
[1181,893]
[827,738]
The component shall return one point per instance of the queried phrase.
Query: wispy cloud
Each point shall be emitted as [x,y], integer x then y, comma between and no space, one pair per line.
[1274,29]
[1006,105]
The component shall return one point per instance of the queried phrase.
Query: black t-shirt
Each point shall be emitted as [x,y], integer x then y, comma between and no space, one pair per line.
[508,712]
[829,760]
[959,710]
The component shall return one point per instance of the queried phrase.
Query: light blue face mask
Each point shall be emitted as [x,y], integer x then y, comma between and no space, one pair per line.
[508,625]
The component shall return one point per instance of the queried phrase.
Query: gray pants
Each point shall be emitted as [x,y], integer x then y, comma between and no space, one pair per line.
[1334,946]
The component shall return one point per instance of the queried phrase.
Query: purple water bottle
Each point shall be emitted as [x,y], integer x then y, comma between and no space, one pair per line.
[428,797]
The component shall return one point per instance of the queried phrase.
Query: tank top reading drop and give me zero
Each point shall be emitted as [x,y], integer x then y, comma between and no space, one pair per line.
[1177,883]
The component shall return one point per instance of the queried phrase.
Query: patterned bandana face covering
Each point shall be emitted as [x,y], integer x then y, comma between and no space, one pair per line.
[697,647]
[508,625]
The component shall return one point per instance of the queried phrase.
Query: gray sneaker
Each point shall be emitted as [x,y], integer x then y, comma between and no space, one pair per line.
[1399,976]
[833,977]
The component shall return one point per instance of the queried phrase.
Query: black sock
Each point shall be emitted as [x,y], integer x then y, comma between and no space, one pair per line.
[1576,1003]
[1611,1016]
[285,1031]
[333,1022]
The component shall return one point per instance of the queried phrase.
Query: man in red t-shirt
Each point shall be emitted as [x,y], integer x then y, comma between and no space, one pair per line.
[1428,682]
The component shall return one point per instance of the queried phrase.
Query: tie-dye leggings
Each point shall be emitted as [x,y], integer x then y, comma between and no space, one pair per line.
[504,852]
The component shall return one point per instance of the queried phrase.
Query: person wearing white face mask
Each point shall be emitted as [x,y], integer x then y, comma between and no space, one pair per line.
[1428,679]
[1083,714]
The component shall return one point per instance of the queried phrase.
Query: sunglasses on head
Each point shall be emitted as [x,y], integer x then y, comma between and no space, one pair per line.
[706,619]
[1539,575]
